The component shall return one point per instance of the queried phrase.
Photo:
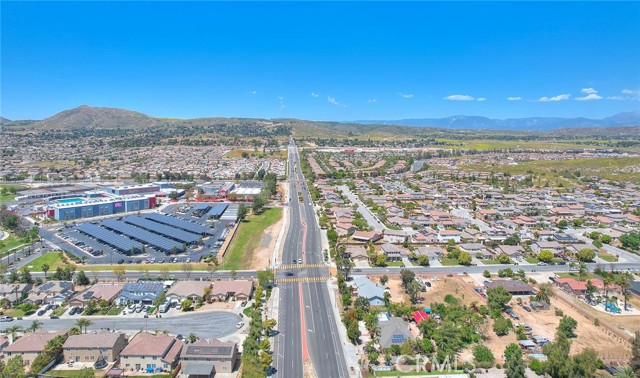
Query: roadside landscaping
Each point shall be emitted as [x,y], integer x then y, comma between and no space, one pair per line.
[246,241]
[53,260]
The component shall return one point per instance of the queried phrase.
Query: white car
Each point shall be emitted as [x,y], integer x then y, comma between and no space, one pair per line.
[240,324]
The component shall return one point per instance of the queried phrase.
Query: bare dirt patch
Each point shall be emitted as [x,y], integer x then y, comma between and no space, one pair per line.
[459,286]
[603,341]
[262,256]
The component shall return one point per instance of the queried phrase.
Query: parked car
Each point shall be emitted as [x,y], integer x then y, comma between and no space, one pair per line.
[240,324]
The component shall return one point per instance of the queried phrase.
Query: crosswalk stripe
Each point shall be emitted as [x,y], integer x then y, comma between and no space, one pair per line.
[300,266]
[302,279]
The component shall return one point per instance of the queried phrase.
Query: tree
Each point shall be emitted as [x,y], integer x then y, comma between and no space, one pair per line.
[483,357]
[186,305]
[45,269]
[544,293]
[584,364]
[25,276]
[586,254]
[13,330]
[563,224]
[84,373]
[606,239]
[503,258]
[498,297]
[625,372]
[384,279]
[265,360]
[35,325]
[511,350]
[631,240]
[558,362]
[567,326]
[634,362]
[269,325]
[120,272]
[380,260]
[82,324]
[545,256]
[187,269]
[464,258]
[407,277]
[501,326]
[243,211]
[423,260]
[82,279]
[512,240]
[192,338]
[515,367]
[265,277]
[486,274]
[14,368]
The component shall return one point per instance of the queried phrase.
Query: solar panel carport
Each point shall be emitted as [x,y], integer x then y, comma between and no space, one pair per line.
[142,235]
[218,210]
[181,224]
[118,242]
[164,230]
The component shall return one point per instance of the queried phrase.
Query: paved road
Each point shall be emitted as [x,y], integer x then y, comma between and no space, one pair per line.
[311,333]
[371,219]
[466,214]
[210,324]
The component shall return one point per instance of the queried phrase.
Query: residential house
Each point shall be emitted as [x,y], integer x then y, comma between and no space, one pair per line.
[367,236]
[445,235]
[241,290]
[392,252]
[14,292]
[147,352]
[345,228]
[207,358]
[394,331]
[514,287]
[30,345]
[191,290]
[91,347]
[367,289]
[395,236]
[357,254]
[140,292]
[4,342]
[98,292]
[552,246]
[513,251]
[434,253]
[51,292]
[476,250]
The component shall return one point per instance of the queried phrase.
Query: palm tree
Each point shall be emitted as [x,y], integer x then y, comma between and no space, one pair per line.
[544,294]
[582,272]
[624,281]
[35,325]
[608,280]
[83,324]
[45,269]
[625,372]
[12,331]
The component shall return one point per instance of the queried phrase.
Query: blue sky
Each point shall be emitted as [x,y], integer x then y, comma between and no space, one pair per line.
[322,61]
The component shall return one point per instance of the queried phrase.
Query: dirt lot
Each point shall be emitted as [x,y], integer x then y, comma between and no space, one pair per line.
[264,253]
[460,287]
[544,323]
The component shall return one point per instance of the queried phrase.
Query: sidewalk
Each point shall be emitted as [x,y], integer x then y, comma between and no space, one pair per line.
[350,351]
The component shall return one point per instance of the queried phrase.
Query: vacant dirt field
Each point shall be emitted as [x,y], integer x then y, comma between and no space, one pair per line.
[458,286]
[264,253]
[544,323]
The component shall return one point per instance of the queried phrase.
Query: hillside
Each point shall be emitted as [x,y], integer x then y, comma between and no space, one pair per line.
[529,123]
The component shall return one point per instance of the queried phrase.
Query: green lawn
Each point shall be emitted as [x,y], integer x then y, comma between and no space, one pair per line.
[9,243]
[491,262]
[142,267]
[73,373]
[7,197]
[532,260]
[53,259]
[608,257]
[449,262]
[395,263]
[575,275]
[247,238]
[14,312]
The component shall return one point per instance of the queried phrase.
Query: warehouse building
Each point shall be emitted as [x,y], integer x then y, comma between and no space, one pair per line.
[78,208]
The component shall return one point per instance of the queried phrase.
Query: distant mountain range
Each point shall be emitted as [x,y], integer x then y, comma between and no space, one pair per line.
[87,117]
[530,124]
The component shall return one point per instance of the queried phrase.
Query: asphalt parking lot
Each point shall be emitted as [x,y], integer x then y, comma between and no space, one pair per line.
[81,245]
